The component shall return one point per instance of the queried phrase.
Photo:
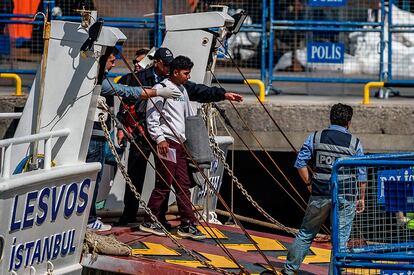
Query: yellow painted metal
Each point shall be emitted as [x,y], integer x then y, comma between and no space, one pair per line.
[321,255]
[116,79]
[265,244]
[261,86]
[367,87]
[18,82]
[154,249]
[211,231]
[216,260]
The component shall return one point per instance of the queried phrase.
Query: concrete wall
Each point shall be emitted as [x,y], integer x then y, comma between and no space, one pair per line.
[382,128]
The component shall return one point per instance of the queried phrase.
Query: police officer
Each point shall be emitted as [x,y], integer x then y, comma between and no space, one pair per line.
[321,149]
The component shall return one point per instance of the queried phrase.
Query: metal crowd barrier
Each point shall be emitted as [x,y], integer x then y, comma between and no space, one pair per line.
[381,238]
[312,41]
[318,37]
[147,31]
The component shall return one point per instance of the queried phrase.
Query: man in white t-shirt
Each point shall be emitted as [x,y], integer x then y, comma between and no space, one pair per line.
[168,131]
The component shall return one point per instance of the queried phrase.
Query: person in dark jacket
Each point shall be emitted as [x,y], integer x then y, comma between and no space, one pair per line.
[148,78]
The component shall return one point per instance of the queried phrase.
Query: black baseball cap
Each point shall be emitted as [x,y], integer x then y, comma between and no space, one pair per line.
[163,54]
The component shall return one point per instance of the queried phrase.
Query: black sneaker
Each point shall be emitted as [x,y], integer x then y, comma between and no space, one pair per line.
[166,224]
[153,228]
[190,231]
[125,221]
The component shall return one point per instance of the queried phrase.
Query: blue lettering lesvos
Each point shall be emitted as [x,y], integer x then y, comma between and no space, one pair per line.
[48,202]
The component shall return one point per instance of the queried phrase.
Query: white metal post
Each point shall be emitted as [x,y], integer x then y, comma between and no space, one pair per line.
[48,154]
[7,158]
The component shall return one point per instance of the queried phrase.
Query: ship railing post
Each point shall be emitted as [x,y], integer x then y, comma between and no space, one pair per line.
[48,153]
[7,158]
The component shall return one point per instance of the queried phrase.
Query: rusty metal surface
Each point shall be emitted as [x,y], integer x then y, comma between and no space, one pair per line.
[156,261]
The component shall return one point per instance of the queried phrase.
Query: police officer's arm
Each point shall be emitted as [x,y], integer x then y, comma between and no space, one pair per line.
[204,94]
[304,156]
[360,205]
[304,174]
[362,180]
[111,88]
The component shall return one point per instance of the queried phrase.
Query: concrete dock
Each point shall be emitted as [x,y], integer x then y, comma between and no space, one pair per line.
[383,126]
[386,125]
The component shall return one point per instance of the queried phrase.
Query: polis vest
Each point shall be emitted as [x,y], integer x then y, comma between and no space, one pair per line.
[329,145]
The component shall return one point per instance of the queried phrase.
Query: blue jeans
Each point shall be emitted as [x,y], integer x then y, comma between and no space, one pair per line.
[96,153]
[318,209]
[109,158]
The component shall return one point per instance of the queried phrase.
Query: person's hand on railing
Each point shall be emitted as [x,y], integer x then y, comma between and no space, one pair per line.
[360,206]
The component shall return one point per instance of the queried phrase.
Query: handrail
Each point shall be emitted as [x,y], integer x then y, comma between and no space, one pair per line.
[10,115]
[367,87]
[18,82]
[47,136]
[391,83]
[30,138]
[259,84]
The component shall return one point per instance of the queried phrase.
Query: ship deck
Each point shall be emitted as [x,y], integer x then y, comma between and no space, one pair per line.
[159,255]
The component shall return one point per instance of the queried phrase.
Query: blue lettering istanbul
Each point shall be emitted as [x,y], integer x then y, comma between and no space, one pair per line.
[41,207]
[325,52]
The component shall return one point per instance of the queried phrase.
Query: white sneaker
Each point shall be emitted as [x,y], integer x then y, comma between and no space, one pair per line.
[213,218]
[99,226]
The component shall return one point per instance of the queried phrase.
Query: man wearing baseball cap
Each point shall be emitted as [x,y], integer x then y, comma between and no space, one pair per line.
[137,163]
[164,55]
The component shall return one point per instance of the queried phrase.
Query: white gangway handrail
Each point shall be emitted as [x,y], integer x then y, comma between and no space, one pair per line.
[10,115]
[6,146]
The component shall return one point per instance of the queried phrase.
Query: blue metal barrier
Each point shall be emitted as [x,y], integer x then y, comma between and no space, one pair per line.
[305,29]
[378,242]
[152,24]
[155,24]
[311,29]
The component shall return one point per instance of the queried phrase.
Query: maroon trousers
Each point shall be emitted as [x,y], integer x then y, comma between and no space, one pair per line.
[181,184]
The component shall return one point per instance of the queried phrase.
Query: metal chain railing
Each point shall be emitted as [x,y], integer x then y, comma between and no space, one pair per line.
[212,234]
[128,181]
[220,154]
[227,121]
[208,182]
